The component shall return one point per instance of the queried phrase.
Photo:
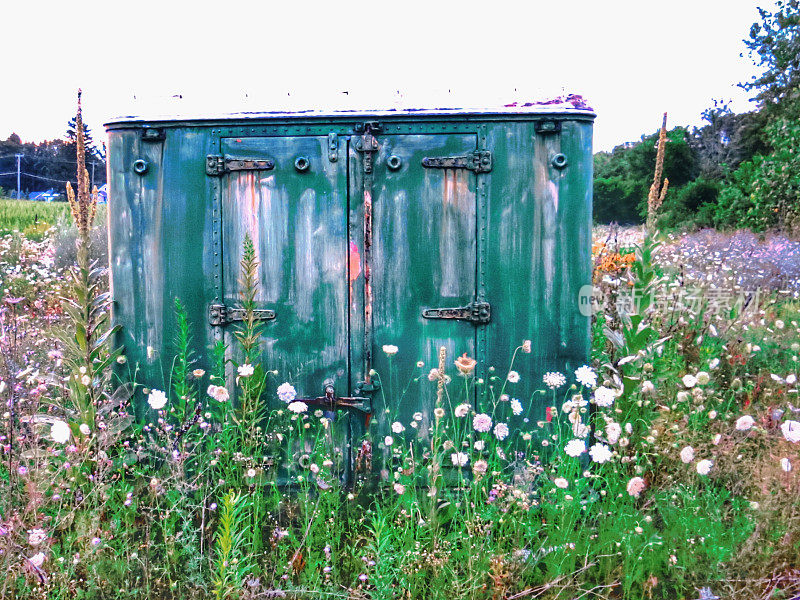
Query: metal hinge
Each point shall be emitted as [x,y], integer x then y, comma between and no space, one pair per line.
[154,134]
[217,165]
[479,161]
[476,312]
[219,314]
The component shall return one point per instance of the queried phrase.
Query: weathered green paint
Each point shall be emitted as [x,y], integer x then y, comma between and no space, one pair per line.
[517,237]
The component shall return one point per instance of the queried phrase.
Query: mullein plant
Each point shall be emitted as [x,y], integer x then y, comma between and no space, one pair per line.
[87,344]
[658,189]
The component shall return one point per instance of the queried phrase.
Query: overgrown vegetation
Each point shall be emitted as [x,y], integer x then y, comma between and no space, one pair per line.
[667,468]
[739,170]
[667,465]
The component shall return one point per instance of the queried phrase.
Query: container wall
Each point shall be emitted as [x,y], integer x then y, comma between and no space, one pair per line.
[533,238]
[160,231]
[538,252]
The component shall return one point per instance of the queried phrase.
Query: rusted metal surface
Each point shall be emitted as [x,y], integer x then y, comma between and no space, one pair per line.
[216,166]
[480,162]
[410,240]
[477,312]
[367,145]
[332,403]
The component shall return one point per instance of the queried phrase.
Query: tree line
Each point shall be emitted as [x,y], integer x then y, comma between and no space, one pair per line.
[737,170]
[48,165]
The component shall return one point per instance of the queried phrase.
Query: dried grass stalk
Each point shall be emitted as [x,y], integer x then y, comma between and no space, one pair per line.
[658,191]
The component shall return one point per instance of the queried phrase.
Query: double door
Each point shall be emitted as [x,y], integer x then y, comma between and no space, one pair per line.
[366,242]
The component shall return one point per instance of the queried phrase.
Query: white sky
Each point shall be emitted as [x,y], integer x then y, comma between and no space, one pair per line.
[631,59]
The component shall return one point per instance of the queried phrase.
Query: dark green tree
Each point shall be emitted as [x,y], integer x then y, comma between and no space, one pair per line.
[774,45]
[623,177]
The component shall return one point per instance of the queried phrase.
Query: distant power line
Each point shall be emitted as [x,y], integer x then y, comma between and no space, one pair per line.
[48,159]
[23,173]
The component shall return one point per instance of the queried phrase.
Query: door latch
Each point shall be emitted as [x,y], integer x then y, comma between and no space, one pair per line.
[479,161]
[219,314]
[331,402]
[475,312]
[217,166]
[366,142]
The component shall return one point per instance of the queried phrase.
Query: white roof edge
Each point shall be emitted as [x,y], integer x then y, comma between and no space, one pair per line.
[528,108]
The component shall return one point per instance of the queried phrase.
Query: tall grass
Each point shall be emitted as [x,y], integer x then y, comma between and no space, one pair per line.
[20,215]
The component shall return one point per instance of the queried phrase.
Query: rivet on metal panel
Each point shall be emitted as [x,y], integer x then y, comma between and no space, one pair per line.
[559,161]
[394,162]
[302,163]
[140,166]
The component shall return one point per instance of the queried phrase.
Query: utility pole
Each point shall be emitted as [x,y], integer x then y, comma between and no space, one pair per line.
[92,186]
[19,158]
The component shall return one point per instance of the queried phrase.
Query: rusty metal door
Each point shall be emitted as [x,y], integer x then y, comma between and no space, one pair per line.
[413,231]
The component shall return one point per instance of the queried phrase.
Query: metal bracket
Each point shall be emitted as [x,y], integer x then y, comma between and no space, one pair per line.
[331,402]
[479,161]
[369,126]
[549,126]
[333,147]
[476,312]
[367,144]
[154,134]
[217,166]
[219,314]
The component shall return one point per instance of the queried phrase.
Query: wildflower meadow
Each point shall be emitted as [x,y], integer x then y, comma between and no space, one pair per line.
[664,468]
[667,467]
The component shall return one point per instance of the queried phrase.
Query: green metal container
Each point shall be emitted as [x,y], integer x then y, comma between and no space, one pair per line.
[469,230]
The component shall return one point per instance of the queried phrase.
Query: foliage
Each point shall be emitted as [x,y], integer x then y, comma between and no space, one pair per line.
[51,163]
[624,176]
[774,45]
[176,505]
[765,192]
[738,169]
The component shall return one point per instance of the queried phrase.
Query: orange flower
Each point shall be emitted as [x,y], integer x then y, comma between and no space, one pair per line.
[465,364]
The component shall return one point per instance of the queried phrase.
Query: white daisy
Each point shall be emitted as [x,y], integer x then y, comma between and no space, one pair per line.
[482,422]
[501,431]
[575,447]
[459,459]
[298,407]
[286,392]
[704,466]
[600,453]
[604,397]
[586,376]
[157,399]
[462,410]
[245,370]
